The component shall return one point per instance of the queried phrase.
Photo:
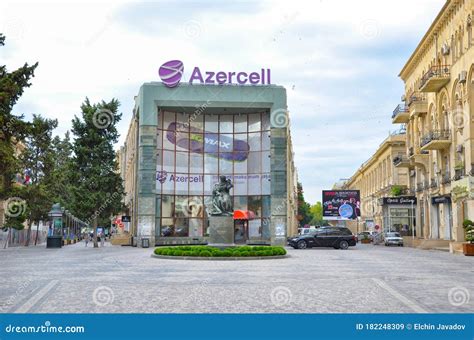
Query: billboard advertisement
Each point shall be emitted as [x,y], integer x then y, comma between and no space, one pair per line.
[341,204]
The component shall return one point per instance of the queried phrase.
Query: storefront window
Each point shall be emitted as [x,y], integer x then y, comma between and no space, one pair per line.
[193,150]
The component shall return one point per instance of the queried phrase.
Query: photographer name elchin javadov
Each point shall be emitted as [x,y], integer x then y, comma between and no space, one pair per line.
[438,327]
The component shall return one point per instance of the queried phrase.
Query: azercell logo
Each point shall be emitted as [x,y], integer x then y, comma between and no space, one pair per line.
[171,73]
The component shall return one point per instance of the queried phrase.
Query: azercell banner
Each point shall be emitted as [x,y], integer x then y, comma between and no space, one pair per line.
[172,71]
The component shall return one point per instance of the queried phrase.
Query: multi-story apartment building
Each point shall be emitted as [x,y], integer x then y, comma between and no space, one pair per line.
[438,113]
[383,190]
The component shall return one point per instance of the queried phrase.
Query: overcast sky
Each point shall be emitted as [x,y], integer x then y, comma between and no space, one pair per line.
[339,61]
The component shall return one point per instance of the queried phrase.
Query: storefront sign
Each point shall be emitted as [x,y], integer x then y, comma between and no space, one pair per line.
[441,199]
[399,200]
[341,204]
[171,73]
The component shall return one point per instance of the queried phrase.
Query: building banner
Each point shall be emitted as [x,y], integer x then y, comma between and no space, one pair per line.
[341,204]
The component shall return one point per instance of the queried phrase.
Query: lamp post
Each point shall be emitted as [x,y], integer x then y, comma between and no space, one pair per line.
[55,237]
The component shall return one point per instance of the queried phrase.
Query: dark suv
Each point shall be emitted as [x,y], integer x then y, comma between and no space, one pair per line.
[336,237]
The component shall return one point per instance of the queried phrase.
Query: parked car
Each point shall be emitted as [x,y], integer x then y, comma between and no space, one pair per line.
[336,237]
[393,238]
[362,234]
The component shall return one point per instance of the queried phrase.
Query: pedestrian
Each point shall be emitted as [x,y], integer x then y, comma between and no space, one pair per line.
[102,239]
[86,239]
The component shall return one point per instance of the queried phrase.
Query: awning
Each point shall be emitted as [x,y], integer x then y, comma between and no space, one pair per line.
[243,215]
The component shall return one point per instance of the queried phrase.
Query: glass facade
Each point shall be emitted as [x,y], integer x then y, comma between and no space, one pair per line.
[193,151]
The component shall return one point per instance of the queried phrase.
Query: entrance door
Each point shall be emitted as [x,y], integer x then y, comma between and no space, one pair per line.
[448,233]
[435,222]
[240,231]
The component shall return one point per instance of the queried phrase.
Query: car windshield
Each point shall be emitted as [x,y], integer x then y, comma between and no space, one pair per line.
[393,234]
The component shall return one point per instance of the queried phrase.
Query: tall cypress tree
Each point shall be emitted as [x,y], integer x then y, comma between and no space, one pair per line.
[37,159]
[97,192]
[12,127]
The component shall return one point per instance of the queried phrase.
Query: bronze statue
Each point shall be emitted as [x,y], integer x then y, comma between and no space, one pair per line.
[221,200]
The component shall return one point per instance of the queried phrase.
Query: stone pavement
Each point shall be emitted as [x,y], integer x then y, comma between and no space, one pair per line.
[113,279]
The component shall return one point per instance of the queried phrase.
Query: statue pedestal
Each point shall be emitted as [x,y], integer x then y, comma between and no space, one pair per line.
[221,231]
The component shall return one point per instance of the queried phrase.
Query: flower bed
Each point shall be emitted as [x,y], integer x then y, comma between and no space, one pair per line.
[208,251]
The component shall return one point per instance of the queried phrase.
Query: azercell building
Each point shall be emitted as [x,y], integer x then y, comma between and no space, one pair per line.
[182,138]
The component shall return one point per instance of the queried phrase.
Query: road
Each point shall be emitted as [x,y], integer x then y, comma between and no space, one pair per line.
[114,279]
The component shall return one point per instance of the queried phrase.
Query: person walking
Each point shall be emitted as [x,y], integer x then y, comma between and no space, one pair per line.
[102,239]
[86,239]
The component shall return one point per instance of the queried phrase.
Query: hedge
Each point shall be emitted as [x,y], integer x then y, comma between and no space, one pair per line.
[208,251]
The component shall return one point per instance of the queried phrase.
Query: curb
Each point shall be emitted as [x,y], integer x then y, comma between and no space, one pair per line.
[233,258]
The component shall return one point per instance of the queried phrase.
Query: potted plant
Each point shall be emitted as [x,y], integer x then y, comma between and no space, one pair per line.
[468,248]
[365,239]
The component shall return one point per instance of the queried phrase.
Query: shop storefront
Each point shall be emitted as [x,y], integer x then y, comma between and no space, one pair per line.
[399,215]
[190,135]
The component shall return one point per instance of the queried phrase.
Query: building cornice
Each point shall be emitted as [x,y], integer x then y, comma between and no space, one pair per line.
[427,39]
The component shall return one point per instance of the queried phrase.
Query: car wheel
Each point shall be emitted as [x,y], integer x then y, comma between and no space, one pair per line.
[343,245]
[301,245]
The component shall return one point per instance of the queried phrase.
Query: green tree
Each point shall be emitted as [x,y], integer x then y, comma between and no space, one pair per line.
[58,183]
[97,192]
[304,214]
[316,211]
[12,127]
[37,159]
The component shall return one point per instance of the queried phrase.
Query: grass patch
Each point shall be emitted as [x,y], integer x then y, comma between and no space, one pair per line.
[208,251]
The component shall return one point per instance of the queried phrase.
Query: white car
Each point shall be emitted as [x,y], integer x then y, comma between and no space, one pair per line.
[393,238]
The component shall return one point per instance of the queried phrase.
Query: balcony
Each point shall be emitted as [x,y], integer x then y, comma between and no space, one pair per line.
[433,183]
[401,161]
[400,114]
[435,78]
[417,104]
[436,140]
[446,179]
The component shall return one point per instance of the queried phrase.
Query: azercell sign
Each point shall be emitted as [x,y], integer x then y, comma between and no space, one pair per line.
[171,73]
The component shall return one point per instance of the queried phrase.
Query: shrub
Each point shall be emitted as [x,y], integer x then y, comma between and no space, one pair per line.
[244,253]
[205,253]
[268,252]
[178,252]
[236,253]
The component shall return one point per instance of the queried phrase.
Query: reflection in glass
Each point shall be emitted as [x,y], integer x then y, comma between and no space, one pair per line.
[240,123]
[226,124]
[255,205]
[211,123]
[254,122]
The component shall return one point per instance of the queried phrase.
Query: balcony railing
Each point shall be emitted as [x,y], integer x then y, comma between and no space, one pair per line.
[446,178]
[426,184]
[458,174]
[411,151]
[416,97]
[435,78]
[400,108]
[399,159]
[433,183]
[435,135]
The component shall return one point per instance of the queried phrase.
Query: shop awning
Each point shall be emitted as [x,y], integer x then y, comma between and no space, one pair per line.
[243,215]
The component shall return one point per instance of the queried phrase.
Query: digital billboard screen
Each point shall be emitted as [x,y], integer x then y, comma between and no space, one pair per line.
[341,204]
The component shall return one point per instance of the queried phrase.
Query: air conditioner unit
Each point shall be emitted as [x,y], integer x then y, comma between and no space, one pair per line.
[462,77]
[445,49]
[459,148]
[403,98]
